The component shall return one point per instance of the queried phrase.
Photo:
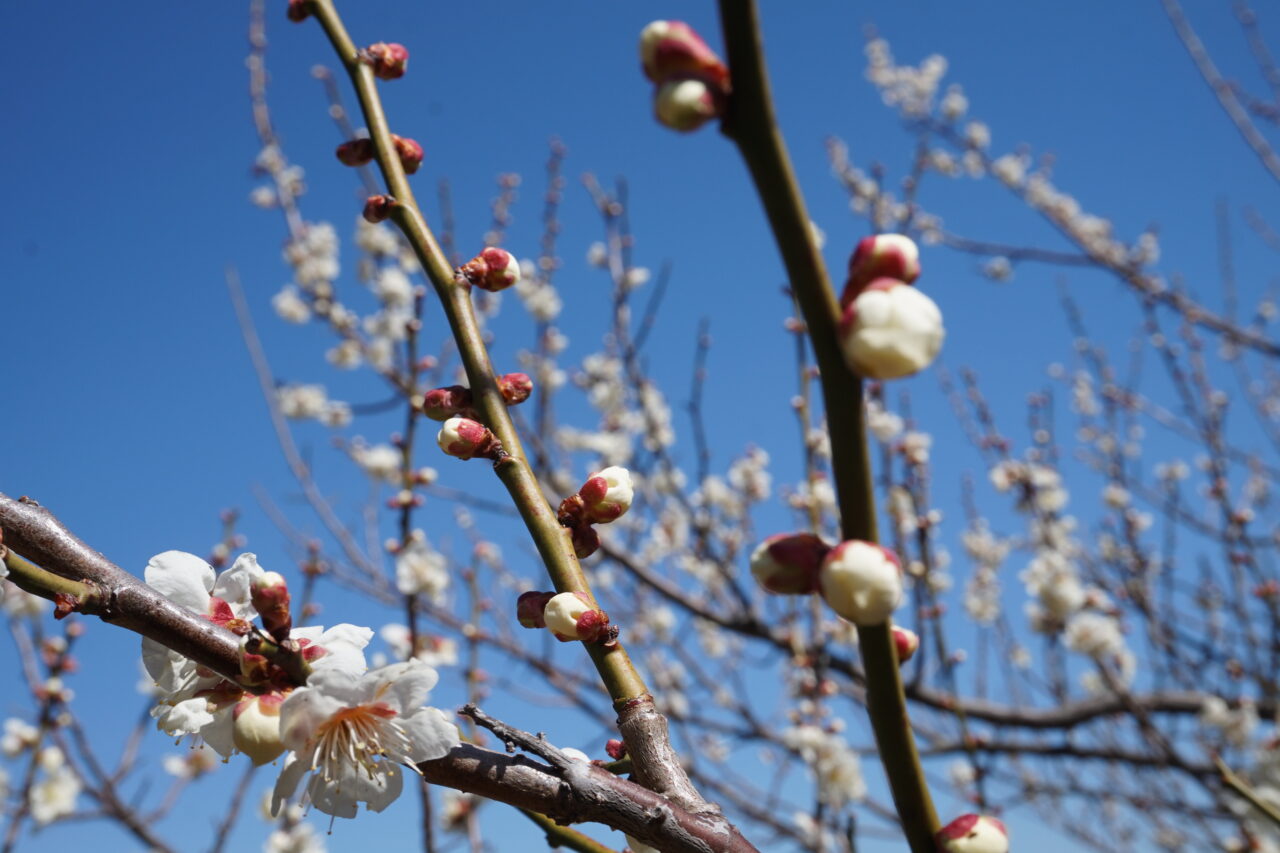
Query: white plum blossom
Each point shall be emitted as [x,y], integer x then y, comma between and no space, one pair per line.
[302,402]
[357,735]
[834,763]
[393,288]
[380,462]
[19,736]
[299,837]
[54,793]
[421,569]
[193,701]
[290,306]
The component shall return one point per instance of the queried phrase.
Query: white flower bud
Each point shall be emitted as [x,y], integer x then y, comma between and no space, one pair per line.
[890,330]
[607,494]
[685,105]
[256,731]
[862,582]
[570,617]
[973,833]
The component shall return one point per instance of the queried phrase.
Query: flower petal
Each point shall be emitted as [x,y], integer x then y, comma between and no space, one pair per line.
[404,686]
[182,578]
[432,734]
[290,775]
[232,585]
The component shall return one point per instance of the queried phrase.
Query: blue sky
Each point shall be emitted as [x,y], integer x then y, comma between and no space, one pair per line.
[132,410]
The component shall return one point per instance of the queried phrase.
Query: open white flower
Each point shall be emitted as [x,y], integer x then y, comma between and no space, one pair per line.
[191,700]
[354,733]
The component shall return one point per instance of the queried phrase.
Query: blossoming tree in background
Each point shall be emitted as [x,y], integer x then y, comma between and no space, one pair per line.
[1122,703]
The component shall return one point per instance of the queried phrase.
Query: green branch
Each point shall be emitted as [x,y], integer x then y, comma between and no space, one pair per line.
[751,124]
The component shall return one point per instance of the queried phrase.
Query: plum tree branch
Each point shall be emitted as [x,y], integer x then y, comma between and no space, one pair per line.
[751,124]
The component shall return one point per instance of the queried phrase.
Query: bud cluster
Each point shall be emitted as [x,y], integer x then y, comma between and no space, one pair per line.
[604,497]
[888,329]
[691,83]
[360,152]
[568,615]
[441,404]
[861,581]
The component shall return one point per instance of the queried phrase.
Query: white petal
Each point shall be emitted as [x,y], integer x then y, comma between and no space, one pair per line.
[232,585]
[290,775]
[219,733]
[185,718]
[403,686]
[182,578]
[304,712]
[431,733]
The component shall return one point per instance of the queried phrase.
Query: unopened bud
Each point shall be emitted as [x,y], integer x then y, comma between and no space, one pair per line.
[607,494]
[270,596]
[882,256]
[440,404]
[389,61]
[409,152]
[685,105]
[515,387]
[673,49]
[530,606]
[493,269]
[615,748]
[890,330]
[256,727]
[639,846]
[586,541]
[973,833]
[298,10]
[378,208]
[576,755]
[355,152]
[905,642]
[861,581]
[788,563]
[466,439]
[570,616]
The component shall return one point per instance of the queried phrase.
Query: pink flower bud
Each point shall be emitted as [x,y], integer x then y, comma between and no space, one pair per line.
[378,208]
[256,727]
[606,495]
[466,439]
[269,594]
[515,387]
[890,330]
[586,541]
[355,152]
[861,581]
[615,748]
[672,49]
[685,105]
[530,606]
[389,61]
[882,256]
[570,616]
[973,833]
[905,641]
[440,404]
[788,563]
[298,10]
[409,152]
[493,269]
